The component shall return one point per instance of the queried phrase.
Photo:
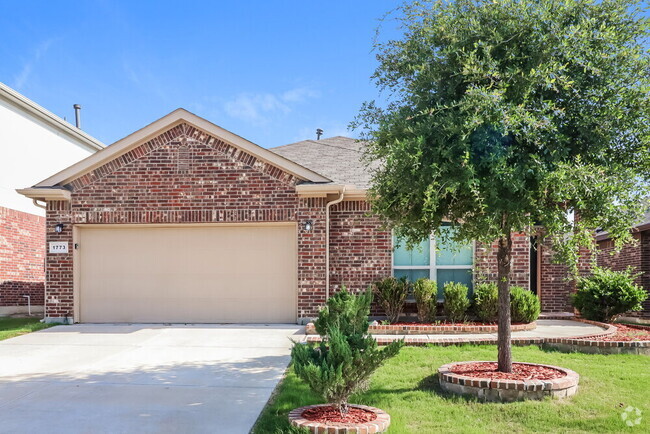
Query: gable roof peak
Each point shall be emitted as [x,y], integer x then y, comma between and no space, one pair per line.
[175,118]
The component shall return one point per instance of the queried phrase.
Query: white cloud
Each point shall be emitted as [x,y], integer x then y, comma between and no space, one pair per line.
[24,74]
[260,108]
[300,94]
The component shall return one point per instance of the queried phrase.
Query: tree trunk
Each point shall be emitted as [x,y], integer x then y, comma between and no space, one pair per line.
[504,260]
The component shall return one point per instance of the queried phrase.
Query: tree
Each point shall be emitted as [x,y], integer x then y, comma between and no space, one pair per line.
[507,115]
[346,358]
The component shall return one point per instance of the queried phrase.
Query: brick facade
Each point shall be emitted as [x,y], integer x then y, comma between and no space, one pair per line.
[486,261]
[360,251]
[555,287]
[635,255]
[22,254]
[185,175]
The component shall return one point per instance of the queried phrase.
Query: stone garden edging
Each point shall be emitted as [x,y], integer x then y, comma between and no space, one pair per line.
[379,425]
[508,390]
[425,329]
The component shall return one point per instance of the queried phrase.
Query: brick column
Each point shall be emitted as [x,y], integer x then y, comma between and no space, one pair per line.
[311,257]
[59,291]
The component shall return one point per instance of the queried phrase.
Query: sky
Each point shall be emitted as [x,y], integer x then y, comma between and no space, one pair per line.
[271,71]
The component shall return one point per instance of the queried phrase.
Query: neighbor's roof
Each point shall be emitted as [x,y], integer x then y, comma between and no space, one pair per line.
[337,158]
[642,226]
[49,118]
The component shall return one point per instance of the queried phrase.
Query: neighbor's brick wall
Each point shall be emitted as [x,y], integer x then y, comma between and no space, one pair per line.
[209,181]
[636,255]
[486,266]
[360,251]
[556,283]
[22,254]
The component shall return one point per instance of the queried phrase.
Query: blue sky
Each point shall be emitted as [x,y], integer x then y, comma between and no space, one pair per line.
[270,71]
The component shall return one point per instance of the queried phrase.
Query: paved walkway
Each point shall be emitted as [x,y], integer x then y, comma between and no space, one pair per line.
[546,328]
[141,378]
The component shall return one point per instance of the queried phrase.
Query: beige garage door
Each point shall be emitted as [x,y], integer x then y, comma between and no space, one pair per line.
[179,274]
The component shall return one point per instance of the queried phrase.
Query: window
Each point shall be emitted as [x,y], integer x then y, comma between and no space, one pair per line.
[450,263]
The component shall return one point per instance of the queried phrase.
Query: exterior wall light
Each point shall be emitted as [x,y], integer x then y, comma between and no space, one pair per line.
[58,228]
[309,225]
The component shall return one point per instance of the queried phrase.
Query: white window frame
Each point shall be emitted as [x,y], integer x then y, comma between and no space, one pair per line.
[432,267]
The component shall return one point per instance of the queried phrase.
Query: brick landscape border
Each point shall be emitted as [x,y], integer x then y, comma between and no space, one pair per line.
[380,424]
[508,390]
[425,329]
[588,344]
[423,340]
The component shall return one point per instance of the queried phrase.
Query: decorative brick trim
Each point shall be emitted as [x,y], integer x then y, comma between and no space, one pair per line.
[380,424]
[181,134]
[508,390]
[425,329]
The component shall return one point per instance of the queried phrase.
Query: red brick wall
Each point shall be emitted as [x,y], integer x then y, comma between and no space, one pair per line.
[360,251]
[210,181]
[636,255]
[22,252]
[555,289]
[486,261]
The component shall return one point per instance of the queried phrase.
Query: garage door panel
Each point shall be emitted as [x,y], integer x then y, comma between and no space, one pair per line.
[188,274]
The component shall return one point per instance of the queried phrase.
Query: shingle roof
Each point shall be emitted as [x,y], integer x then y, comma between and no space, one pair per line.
[337,158]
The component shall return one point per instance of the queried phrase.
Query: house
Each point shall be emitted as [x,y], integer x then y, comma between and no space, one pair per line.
[33,144]
[635,255]
[184,221]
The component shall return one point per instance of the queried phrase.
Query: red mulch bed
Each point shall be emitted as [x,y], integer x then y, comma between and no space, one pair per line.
[488,370]
[331,414]
[624,333]
[445,323]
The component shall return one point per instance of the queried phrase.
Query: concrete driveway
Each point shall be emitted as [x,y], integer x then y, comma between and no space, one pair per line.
[141,378]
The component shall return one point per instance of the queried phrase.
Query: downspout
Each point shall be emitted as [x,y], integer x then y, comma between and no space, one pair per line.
[327,241]
[35,202]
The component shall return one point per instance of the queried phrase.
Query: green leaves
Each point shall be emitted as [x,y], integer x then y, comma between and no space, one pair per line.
[346,358]
[506,115]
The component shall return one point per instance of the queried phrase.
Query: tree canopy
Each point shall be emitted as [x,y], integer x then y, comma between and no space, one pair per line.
[509,114]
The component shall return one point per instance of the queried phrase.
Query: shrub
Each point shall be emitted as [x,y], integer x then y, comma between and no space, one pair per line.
[392,293]
[486,301]
[346,358]
[524,305]
[424,291]
[607,293]
[456,301]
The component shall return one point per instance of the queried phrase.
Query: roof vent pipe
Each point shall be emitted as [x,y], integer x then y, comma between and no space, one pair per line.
[319,133]
[77,115]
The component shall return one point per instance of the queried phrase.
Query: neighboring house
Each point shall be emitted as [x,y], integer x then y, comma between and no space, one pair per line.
[34,143]
[183,221]
[635,255]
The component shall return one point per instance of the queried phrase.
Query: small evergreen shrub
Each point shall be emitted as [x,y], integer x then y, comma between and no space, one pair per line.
[607,293]
[456,301]
[424,291]
[392,293]
[486,301]
[346,358]
[524,305]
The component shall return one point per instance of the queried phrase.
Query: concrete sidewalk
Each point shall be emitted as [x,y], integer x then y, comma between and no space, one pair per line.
[141,378]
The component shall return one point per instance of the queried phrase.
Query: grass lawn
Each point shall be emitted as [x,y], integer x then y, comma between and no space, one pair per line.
[406,387]
[10,327]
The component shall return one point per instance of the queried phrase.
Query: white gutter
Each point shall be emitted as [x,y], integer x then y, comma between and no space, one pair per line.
[327,241]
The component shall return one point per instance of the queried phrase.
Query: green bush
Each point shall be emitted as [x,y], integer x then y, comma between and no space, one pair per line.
[607,293]
[456,301]
[346,358]
[524,305]
[486,301]
[392,293]
[346,311]
[424,291]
